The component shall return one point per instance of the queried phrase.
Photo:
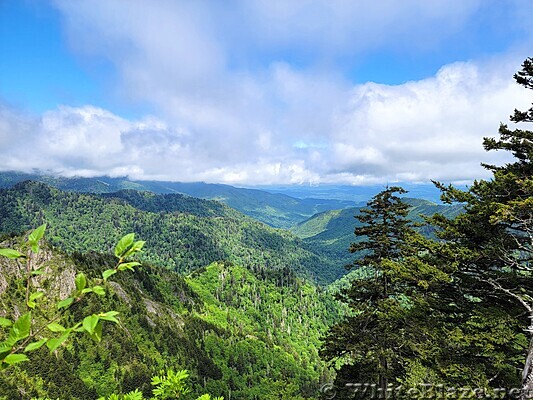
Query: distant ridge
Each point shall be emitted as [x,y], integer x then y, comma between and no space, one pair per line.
[182,233]
[275,209]
[331,232]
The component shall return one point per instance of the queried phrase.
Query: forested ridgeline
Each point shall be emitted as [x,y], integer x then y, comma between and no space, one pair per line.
[182,233]
[330,233]
[185,233]
[275,209]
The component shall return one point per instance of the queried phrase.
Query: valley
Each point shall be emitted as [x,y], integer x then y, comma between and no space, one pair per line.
[219,293]
[266,200]
[275,209]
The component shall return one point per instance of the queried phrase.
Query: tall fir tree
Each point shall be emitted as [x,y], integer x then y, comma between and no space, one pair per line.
[491,242]
[387,304]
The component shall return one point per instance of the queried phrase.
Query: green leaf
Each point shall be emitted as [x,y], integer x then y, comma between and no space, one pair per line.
[5,349]
[12,338]
[65,303]
[21,328]
[36,295]
[136,247]
[81,281]
[35,345]
[37,272]
[109,316]
[35,236]
[54,343]
[99,290]
[135,395]
[124,244]
[55,327]
[128,265]
[97,332]
[108,272]
[15,358]
[10,253]
[4,322]
[89,323]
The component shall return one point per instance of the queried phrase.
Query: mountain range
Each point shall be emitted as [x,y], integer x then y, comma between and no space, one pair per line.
[275,209]
[239,303]
[185,232]
[182,233]
[330,233]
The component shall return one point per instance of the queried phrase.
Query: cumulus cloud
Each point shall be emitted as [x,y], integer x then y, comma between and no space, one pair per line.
[370,133]
[231,105]
[90,141]
[428,129]
[85,141]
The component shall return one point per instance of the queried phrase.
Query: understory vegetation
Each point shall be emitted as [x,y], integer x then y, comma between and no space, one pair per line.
[239,333]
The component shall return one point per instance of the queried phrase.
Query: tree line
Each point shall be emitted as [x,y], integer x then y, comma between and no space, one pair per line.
[454,310]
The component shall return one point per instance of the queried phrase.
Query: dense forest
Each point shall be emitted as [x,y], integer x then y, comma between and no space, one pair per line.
[210,302]
[330,233]
[242,334]
[182,233]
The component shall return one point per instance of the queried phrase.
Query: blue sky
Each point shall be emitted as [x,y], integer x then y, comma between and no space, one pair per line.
[37,70]
[260,92]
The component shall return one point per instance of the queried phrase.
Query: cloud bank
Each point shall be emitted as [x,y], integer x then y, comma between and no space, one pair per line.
[256,94]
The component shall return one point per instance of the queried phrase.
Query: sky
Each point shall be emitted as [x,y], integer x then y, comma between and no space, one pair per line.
[260,92]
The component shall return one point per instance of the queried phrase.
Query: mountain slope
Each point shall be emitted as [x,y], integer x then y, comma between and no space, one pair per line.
[182,233]
[277,210]
[330,233]
[242,335]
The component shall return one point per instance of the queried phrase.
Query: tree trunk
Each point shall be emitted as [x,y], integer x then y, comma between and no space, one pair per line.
[383,380]
[527,372]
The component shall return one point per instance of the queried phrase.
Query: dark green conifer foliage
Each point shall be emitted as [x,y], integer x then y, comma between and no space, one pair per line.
[491,244]
[385,227]
[381,328]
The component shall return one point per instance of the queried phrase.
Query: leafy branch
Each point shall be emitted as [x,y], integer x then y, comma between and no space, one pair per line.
[26,333]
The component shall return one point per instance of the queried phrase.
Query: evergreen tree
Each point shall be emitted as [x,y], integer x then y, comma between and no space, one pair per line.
[388,303]
[491,242]
[385,227]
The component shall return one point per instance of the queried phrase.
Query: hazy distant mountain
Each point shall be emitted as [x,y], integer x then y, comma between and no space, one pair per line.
[275,209]
[358,194]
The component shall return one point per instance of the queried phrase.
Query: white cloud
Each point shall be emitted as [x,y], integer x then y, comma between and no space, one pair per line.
[428,129]
[230,108]
[86,141]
